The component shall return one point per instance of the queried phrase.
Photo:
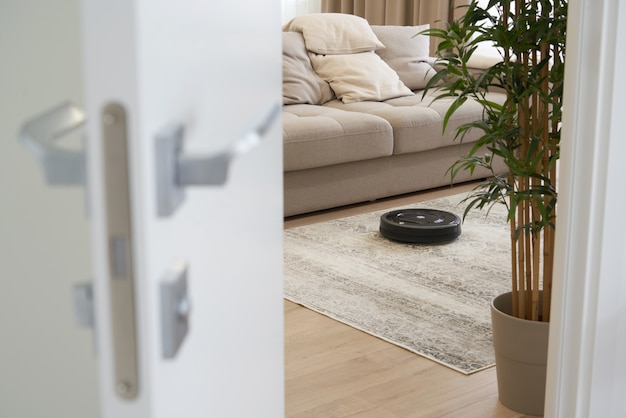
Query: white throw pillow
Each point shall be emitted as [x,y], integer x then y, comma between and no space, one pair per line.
[334,33]
[406,53]
[359,77]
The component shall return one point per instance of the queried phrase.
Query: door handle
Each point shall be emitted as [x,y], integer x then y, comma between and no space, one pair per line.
[176,170]
[39,135]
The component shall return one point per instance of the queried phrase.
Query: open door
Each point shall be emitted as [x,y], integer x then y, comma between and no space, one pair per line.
[48,363]
[178,193]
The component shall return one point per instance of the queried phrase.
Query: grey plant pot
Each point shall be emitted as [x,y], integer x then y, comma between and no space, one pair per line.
[521,349]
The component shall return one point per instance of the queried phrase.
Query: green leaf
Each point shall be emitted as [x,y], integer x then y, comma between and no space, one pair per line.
[454,106]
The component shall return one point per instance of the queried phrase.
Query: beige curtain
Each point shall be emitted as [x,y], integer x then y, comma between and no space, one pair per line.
[398,12]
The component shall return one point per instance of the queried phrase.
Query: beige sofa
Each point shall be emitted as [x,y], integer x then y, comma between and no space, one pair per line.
[356,126]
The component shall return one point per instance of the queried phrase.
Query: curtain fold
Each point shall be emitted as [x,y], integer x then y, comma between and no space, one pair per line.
[398,12]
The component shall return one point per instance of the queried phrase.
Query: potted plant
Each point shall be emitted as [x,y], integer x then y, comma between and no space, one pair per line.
[523,131]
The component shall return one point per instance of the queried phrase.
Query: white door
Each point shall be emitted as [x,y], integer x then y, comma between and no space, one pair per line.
[203,77]
[48,365]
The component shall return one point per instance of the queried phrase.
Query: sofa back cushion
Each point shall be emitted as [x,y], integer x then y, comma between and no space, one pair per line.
[406,53]
[341,50]
[301,85]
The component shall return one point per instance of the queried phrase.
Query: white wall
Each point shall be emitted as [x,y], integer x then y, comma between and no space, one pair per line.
[292,8]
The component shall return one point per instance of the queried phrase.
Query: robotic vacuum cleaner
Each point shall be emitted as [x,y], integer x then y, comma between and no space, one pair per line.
[420,226]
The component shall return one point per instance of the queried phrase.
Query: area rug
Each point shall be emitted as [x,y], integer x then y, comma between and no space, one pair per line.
[430,299]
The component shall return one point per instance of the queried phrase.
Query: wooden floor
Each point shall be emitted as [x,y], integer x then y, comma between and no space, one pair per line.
[333,370]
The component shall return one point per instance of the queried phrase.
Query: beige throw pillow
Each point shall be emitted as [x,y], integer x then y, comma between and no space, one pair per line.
[406,54]
[334,33]
[300,83]
[359,77]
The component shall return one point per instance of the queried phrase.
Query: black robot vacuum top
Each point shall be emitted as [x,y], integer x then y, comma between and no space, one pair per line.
[420,226]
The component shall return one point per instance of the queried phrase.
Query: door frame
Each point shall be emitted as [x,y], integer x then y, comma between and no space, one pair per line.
[586,365]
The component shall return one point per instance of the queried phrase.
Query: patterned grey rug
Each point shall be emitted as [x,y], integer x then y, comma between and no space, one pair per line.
[430,299]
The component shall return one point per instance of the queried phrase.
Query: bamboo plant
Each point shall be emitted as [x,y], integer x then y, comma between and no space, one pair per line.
[523,131]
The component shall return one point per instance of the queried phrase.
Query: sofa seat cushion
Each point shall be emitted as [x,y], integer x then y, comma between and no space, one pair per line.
[418,121]
[318,136]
